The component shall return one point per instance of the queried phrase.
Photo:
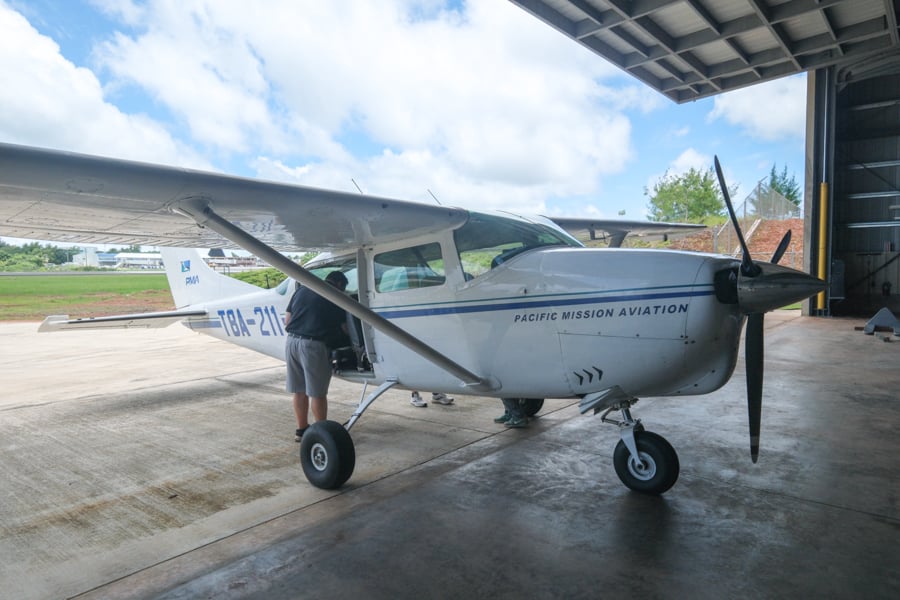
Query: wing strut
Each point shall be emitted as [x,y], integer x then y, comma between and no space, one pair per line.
[206,217]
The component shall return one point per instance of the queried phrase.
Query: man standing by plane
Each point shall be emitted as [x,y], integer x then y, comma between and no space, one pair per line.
[310,320]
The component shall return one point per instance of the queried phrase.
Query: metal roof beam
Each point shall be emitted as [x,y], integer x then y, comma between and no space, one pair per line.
[635,36]
[716,27]
[777,31]
[891,21]
[632,41]
[548,15]
[637,8]
[796,8]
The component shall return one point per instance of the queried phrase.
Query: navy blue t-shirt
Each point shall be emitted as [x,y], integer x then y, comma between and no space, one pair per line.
[314,316]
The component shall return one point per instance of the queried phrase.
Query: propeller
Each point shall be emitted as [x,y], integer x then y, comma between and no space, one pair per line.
[748,268]
[782,247]
[753,339]
[761,287]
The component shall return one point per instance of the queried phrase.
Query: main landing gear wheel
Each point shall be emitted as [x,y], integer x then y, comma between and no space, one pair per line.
[531,406]
[327,455]
[658,468]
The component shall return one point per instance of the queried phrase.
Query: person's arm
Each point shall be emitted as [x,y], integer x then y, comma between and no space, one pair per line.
[287,311]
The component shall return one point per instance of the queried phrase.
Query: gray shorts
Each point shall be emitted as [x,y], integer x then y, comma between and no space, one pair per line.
[308,367]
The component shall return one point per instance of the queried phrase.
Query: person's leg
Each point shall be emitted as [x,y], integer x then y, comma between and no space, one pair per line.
[301,410]
[517,416]
[506,414]
[317,370]
[319,406]
[416,400]
[295,384]
[441,398]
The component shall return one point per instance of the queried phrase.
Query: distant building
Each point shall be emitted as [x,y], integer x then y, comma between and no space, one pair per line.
[106,259]
[89,257]
[139,260]
[231,261]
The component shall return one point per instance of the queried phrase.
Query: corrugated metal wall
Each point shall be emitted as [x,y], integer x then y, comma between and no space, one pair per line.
[866,227]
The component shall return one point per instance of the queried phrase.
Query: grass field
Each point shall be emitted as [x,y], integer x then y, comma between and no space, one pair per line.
[31,298]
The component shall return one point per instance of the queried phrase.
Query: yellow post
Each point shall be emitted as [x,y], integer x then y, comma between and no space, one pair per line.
[823,229]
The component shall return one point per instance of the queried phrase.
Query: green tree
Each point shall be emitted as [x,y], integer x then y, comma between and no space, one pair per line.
[784,185]
[132,249]
[690,197]
[31,256]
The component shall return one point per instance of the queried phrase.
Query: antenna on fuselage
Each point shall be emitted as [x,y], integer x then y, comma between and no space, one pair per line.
[433,196]
[357,186]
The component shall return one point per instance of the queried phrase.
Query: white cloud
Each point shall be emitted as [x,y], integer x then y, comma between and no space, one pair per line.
[684,162]
[769,111]
[47,101]
[689,159]
[503,107]
[125,10]
[487,108]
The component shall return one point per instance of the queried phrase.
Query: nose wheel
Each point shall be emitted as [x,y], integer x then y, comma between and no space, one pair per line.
[654,470]
[644,461]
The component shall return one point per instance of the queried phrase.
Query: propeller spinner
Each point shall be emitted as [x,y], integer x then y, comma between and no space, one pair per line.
[761,287]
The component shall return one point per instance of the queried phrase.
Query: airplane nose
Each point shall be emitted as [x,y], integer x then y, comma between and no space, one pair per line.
[775,286]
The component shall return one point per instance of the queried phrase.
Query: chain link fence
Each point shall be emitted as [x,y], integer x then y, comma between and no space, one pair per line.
[763,203]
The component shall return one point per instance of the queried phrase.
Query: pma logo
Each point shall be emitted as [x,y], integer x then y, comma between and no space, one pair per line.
[185,266]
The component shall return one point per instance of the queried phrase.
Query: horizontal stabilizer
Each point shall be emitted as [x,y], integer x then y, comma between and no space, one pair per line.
[133,321]
[616,230]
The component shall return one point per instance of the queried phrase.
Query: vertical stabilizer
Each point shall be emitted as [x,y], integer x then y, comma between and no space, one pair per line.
[193,282]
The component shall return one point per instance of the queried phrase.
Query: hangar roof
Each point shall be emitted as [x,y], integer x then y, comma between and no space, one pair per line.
[689,49]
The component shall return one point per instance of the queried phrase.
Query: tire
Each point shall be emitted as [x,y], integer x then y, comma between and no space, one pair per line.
[531,406]
[660,462]
[327,455]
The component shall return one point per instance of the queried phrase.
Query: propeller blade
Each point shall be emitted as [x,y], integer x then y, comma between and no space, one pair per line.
[753,355]
[747,267]
[782,247]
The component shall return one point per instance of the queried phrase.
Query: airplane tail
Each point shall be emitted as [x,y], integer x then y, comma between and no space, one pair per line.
[193,282]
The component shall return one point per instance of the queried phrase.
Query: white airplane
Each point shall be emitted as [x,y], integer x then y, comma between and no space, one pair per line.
[449,300]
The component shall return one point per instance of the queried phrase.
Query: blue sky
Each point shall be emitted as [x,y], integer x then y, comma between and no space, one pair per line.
[477,101]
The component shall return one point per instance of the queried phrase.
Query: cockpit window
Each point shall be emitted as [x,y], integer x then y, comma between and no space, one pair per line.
[486,241]
[413,267]
[346,265]
[284,285]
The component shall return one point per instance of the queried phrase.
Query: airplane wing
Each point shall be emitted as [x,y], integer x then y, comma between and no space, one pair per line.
[133,321]
[615,230]
[67,197]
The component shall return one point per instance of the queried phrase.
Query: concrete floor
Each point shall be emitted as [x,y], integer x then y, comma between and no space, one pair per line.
[161,464]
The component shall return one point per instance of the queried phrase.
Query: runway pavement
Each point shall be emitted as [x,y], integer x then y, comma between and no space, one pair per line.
[161,463]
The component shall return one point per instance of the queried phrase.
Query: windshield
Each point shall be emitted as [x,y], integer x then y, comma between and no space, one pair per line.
[486,241]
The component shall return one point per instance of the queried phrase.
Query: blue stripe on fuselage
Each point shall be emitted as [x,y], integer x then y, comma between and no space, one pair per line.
[204,324]
[521,304]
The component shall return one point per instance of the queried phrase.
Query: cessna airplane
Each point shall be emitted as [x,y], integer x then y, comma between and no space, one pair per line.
[442,299]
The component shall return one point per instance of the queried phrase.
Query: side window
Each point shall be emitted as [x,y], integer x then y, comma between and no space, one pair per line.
[346,265]
[409,268]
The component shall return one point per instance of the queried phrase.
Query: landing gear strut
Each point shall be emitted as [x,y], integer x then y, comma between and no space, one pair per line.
[644,461]
[327,454]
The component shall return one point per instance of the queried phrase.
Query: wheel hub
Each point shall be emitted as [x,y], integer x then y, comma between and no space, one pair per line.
[318,456]
[644,470]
